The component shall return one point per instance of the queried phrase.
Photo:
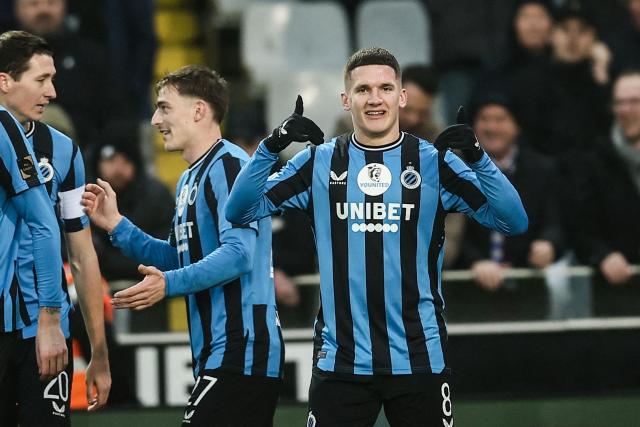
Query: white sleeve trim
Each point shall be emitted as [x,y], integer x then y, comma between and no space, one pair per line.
[70,207]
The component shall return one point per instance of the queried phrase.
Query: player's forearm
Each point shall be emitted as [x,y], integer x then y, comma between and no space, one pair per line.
[34,207]
[138,245]
[504,210]
[247,201]
[231,260]
[86,274]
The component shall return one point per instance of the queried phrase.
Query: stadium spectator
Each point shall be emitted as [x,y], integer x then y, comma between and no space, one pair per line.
[526,72]
[223,270]
[624,40]
[488,252]
[80,63]
[468,36]
[608,197]
[576,111]
[142,198]
[377,199]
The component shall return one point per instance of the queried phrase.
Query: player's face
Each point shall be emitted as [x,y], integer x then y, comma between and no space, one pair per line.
[28,96]
[374,96]
[626,106]
[496,129]
[417,111]
[173,118]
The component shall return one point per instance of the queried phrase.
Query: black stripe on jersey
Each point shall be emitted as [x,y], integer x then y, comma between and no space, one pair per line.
[414,332]
[295,184]
[43,146]
[345,355]
[212,202]
[203,298]
[2,313]
[22,306]
[318,342]
[13,291]
[236,345]
[69,182]
[261,340]
[437,240]
[231,166]
[186,304]
[5,178]
[462,188]
[22,153]
[374,264]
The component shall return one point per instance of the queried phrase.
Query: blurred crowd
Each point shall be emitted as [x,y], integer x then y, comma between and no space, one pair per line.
[554,93]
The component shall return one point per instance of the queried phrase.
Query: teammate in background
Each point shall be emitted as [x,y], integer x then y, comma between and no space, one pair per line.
[377,199]
[223,270]
[23,200]
[27,88]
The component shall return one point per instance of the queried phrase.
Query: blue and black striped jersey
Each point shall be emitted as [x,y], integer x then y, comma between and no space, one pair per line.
[18,206]
[223,270]
[61,165]
[378,218]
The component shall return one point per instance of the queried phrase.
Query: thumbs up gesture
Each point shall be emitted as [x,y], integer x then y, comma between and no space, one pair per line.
[294,128]
[462,137]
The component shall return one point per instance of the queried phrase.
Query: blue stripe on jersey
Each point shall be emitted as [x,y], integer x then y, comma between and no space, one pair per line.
[61,164]
[326,355]
[357,270]
[427,307]
[392,275]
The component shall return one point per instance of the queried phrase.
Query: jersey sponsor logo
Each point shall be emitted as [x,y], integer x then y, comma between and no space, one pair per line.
[410,178]
[183,232]
[27,169]
[46,169]
[338,179]
[374,211]
[181,201]
[374,179]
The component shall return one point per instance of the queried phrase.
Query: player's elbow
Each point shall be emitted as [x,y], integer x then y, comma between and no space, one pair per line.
[244,260]
[519,225]
[235,215]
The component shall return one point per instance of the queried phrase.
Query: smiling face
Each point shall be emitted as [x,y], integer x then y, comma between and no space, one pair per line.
[497,130]
[27,95]
[174,118]
[374,95]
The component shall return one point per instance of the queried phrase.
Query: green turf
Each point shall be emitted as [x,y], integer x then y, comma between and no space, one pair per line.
[566,412]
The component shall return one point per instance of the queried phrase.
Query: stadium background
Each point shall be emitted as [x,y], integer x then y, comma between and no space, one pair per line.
[516,363]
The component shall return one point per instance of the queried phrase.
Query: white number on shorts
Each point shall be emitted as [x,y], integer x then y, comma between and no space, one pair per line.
[211,380]
[63,388]
[446,399]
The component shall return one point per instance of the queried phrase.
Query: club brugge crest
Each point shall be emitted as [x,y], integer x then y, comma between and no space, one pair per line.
[410,178]
[46,169]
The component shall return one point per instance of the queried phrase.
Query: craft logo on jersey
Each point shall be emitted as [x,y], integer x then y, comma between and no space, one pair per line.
[338,179]
[410,178]
[181,202]
[374,179]
[45,169]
